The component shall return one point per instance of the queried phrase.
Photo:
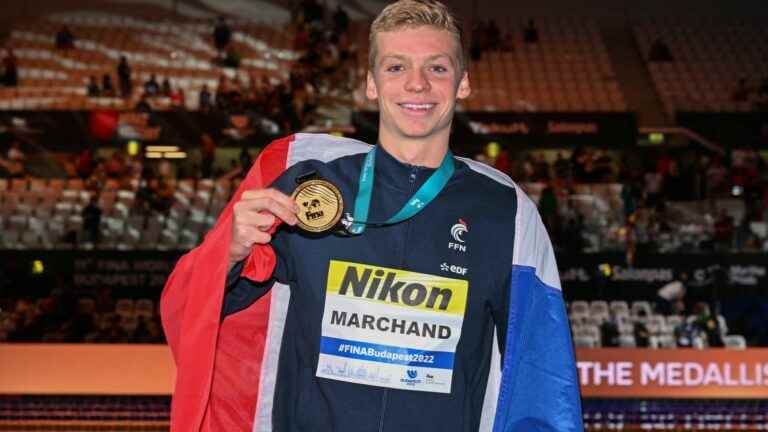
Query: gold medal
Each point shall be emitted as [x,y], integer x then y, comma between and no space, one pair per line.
[320,205]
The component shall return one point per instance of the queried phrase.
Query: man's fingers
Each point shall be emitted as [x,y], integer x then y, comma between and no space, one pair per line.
[255,206]
[271,201]
[274,194]
[247,236]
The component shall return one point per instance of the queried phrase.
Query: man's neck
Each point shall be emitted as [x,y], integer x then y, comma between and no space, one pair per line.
[425,153]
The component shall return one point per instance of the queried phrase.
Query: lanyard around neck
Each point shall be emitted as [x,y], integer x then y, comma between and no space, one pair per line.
[426,193]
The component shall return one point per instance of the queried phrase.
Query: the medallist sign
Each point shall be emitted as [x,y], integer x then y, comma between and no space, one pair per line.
[673,373]
[391,328]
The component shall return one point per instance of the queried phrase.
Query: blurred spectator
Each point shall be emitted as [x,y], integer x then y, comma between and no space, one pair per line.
[223,93]
[502,162]
[716,179]
[166,87]
[163,193]
[84,164]
[92,220]
[723,232]
[340,20]
[204,100]
[671,293]
[654,183]
[245,159]
[609,332]
[548,209]
[10,75]
[15,154]
[15,160]
[675,184]
[231,59]
[642,335]
[659,52]
[115,166]
[124,77]
[107,88]
[531,33]
[708,325]
[208,155]
[628,198]
[143,105]
[151,87]
[178,98]
[562,167]
[222,34]
[312,11]
[65,39]
[93,89]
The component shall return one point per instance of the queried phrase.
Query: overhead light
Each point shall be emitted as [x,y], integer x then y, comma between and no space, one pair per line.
[160,148]
[656,138]
[133,148]
[175,155]
[153,155]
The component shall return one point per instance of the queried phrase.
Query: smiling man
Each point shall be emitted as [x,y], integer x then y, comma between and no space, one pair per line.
[385,288]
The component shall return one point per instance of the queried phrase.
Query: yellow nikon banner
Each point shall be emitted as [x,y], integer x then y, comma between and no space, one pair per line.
[673,373]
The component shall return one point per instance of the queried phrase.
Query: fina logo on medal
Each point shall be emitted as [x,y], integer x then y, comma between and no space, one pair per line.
[320,205]
[457,231]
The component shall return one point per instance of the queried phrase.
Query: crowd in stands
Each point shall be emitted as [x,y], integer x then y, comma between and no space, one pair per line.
[647,183]
[326,66]
[665,323]
[61,317]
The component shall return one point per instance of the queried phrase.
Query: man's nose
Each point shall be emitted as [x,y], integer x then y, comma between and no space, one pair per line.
[417,81]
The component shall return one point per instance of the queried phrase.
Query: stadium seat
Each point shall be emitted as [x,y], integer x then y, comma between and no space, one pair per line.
[619,308]
[735,342]
[627,341]
[145,307]
[124,307]
[641,310]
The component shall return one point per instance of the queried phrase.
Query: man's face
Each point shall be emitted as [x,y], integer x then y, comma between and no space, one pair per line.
[416,81]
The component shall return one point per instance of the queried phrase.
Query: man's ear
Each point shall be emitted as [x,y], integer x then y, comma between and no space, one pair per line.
[370,87]
[464,89]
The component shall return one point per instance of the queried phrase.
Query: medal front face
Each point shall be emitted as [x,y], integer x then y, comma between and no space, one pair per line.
[320,205]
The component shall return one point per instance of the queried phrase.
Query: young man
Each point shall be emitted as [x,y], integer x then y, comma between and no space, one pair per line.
[434,304]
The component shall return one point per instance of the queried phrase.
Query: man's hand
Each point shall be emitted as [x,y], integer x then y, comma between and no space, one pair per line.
[254,215]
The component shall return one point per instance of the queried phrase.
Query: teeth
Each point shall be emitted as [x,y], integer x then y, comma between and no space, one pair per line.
[417,106]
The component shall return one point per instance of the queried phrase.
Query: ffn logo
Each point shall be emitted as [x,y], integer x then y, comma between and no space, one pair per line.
[457,231]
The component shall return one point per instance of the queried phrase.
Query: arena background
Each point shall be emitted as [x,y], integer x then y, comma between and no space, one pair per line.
[639,127]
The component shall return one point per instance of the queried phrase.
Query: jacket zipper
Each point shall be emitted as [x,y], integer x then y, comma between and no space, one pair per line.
[412,182]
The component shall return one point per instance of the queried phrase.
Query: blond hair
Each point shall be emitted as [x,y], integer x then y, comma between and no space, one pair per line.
[416,13]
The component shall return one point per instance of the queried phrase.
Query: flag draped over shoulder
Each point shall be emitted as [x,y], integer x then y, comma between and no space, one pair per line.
[532,385]
[219,363]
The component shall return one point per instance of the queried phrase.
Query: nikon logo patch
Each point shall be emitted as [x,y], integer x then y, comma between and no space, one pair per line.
[397,287]
[388,328]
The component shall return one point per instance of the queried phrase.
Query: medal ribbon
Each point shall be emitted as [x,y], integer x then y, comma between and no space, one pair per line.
[426,193]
